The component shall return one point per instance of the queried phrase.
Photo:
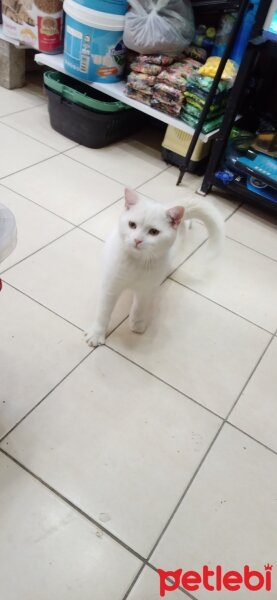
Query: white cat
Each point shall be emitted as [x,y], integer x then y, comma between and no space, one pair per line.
[139,256]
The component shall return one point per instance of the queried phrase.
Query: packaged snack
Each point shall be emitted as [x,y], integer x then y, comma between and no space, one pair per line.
[176,75]
[199,54]
[140,85]
[205,83]
[211,65]
[155,59]
[147,68]
[138,95]
[167,94]
[149,80]
[172,110]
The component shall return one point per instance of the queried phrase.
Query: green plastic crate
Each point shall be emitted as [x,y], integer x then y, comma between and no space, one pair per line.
[80,93]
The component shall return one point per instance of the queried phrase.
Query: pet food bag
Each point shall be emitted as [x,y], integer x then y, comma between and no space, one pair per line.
[36,23]
[159,26]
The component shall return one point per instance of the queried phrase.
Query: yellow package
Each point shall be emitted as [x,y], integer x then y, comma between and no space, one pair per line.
[210,67]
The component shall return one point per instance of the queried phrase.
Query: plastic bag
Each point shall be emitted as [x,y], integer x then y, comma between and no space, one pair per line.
[159,26]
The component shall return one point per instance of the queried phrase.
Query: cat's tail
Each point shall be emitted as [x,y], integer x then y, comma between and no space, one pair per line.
[203,211]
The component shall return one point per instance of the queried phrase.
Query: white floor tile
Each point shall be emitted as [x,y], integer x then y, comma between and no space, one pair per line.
[37,350]
[65,277]
[35,226]
[69,189]
[245,282]
[12,101]
[20,151]
[255,229]
[103,224]
[118,443]
[164,189]
[47,550]
[147,587]
[256,411]
[193,344]
[227,517]
[130,161]
[35,123]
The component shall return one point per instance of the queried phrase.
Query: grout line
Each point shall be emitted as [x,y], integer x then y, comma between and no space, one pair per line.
[74,506]
[186,259]
[250,248]
[45,397]
[187,594]
[42,305]
[37,251]
[131,586]
[29,167]
[250,377]
[147,564]
[42,103]
[220,305]
[36,203]
[185,491]
[32,137]
[90,351]
[252,437]
[207,452]
[112,178]
[162,380]
[234,211]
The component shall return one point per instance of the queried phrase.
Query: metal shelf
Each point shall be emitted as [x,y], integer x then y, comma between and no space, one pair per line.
[117,91]
[240,190]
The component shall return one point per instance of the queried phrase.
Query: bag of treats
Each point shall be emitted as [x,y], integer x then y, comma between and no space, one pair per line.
[159,26]
[37,23]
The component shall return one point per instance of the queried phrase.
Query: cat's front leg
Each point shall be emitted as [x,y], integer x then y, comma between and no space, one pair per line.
[96,334]
[140,311]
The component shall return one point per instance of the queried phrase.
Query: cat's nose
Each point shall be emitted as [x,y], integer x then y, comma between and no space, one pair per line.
[137,242]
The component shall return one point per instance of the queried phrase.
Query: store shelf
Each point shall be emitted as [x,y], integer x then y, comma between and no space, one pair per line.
[241,191]
[116,90]
[12,41]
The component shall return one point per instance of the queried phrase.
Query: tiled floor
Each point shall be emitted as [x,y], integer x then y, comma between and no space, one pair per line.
[156,451]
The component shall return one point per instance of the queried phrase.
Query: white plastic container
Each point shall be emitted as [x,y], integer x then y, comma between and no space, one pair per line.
[93,45]
[8,233]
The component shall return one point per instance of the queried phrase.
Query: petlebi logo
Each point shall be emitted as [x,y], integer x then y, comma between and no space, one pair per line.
[216,580]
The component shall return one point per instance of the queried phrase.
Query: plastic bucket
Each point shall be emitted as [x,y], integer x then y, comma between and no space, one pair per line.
[93,44]
[116,7]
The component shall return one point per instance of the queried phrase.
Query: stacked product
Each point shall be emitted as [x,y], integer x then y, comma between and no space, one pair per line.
[168,91]
[196,95]
[142,78]
[199,85]
[159,82]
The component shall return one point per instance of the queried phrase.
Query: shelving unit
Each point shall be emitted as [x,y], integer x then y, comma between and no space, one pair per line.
[256,45]
[117,91]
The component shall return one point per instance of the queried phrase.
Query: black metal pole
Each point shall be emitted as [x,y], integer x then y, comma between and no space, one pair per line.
[213,89]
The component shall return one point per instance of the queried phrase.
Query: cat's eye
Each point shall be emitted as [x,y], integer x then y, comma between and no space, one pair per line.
[132,225]
[153,231]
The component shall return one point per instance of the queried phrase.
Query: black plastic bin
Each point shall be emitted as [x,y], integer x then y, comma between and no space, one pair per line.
[91,127]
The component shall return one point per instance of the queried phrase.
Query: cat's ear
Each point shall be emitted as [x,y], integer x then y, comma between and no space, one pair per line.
[175,215]
[131,198]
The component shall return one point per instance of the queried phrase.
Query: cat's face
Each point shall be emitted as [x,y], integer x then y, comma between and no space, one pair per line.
[147,228]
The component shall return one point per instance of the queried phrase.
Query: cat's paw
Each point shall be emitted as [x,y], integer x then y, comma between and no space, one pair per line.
[95,337]
[137,326]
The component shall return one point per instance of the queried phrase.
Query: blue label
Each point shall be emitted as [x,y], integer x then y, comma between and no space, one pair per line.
[93,54]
